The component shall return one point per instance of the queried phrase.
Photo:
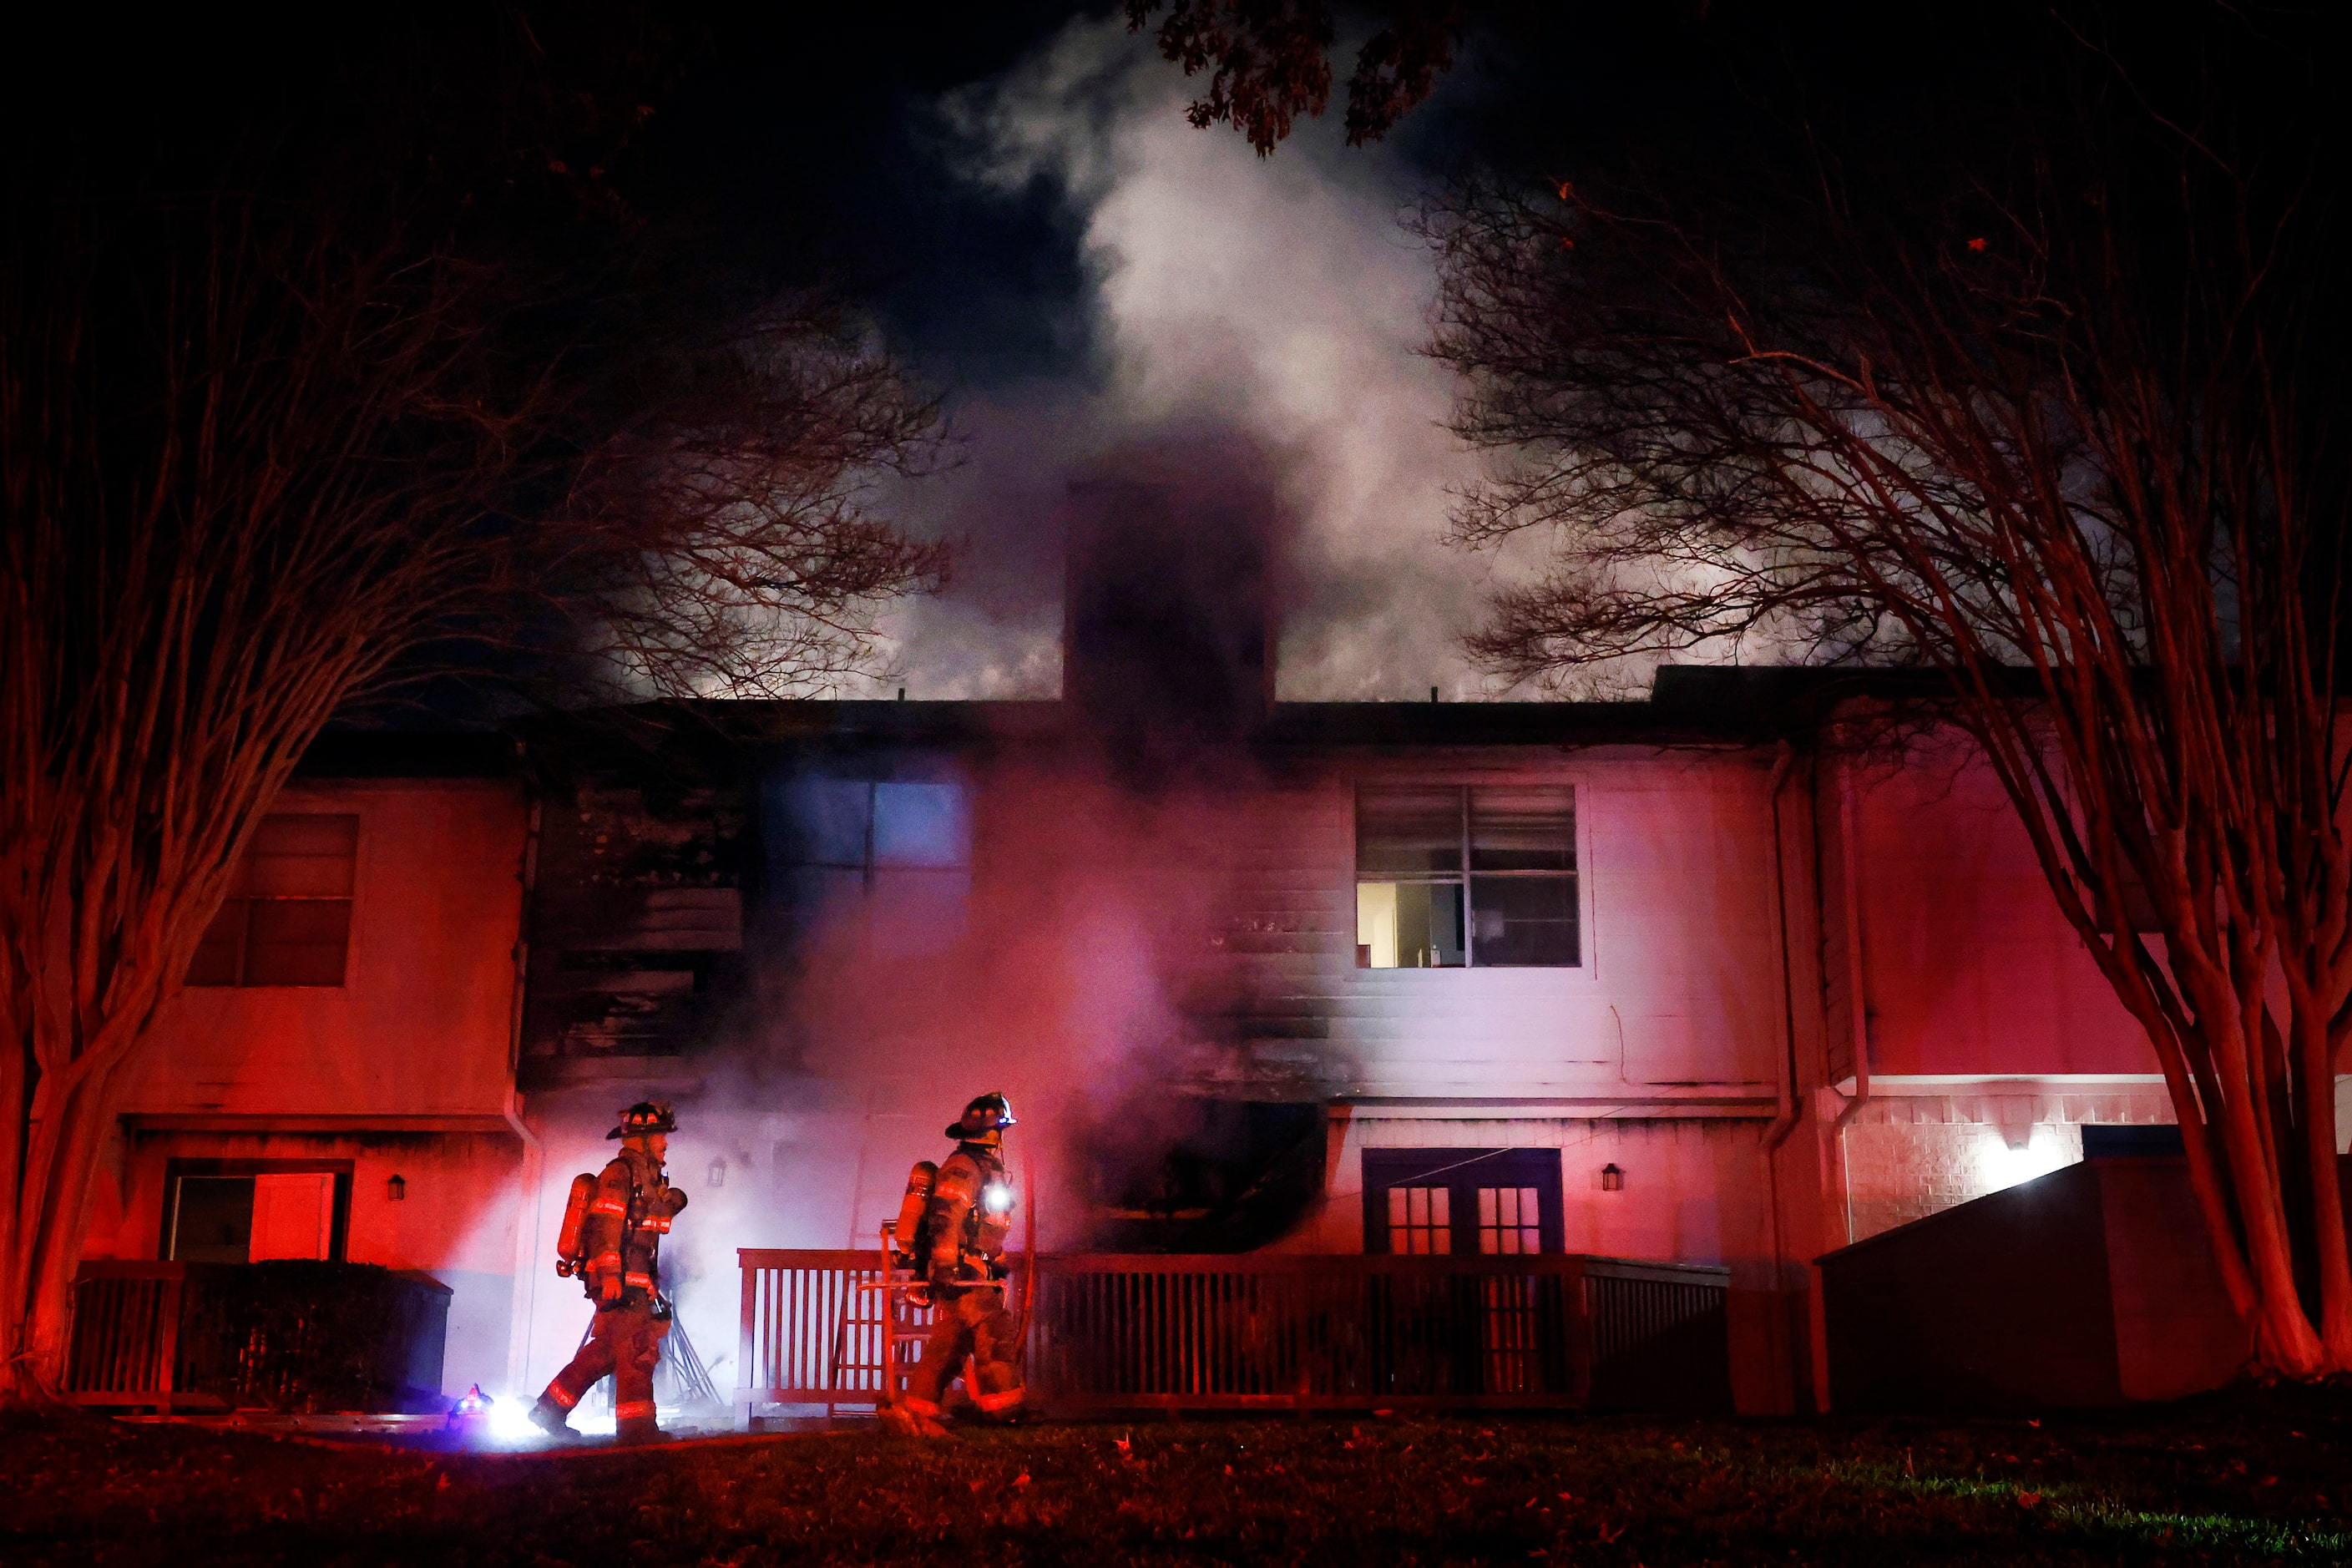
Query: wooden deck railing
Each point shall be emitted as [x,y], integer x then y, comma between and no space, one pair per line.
[126,1346]
[1287,1332]
[215,1335]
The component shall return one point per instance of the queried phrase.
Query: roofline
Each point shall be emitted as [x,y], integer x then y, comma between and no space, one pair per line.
[1689,706]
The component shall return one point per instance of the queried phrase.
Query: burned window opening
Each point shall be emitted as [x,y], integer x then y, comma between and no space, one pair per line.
[1224,1176]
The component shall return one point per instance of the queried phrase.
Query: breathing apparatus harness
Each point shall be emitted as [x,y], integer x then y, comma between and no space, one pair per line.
[572,1260]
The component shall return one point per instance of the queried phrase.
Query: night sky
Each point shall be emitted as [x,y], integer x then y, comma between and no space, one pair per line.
[1017,200]
[1011,197]
[1014,198]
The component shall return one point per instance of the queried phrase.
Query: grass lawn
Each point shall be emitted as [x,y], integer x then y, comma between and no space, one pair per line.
[2239,1478]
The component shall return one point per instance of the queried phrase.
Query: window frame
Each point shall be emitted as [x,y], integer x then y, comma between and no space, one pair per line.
[1463,1172]
[827,849]
[1585,969]
[180,1167]
[246,901]
[793,853]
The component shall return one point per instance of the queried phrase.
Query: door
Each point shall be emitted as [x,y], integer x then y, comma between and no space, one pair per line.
[250,1211]
[1463,1202]
[1487,1203]
[293,1216]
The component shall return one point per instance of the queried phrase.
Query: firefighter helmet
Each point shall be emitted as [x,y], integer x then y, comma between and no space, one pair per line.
[645,1116]
[983,1120]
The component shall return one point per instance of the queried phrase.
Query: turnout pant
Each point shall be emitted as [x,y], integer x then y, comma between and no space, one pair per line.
[626,1342]
[972,1322]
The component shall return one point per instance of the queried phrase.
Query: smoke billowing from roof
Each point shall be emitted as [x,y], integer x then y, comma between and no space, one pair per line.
[1275,303]
[1170,601]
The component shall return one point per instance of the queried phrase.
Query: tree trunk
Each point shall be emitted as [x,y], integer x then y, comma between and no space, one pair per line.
[55,1218]
[2316,1075]
[65,1149]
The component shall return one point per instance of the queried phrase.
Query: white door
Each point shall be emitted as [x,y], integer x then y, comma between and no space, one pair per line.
[293,1215]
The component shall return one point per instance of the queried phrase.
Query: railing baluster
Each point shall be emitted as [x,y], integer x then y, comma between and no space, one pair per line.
[1205,1331]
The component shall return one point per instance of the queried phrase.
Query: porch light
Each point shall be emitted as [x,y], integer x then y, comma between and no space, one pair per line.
[1613,1180]
[717,1175]
[395,1189]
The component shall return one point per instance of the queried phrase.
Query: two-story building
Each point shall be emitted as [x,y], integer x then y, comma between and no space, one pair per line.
[1659,979]
[1655,979]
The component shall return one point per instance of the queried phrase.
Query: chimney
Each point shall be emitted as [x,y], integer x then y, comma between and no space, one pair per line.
[1167,623]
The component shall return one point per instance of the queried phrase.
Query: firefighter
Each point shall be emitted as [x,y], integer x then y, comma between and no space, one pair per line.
[621,1245]
[964,1231]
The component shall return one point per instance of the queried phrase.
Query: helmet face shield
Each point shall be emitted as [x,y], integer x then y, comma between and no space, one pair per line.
[984,1121]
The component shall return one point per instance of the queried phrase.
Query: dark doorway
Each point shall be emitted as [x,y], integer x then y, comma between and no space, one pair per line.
[244,1211]
[213,1220]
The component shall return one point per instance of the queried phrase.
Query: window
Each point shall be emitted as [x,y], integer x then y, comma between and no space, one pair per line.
[248,1211]
[1509,1220]
[1420,1220]
[1451,878]
[903,847]
[1462,1201]
[288,917]
[2139,906]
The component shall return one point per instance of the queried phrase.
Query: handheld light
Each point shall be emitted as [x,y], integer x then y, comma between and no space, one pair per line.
[473,1407]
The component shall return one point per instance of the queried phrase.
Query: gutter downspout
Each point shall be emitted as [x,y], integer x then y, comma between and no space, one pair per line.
[534,1165]
[1786,1122]
[1857,1005]
[532,1172]
[1781,1125]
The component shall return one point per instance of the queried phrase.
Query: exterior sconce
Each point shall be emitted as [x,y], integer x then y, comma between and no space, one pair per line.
[1613,1180]
[395,1189]
[717,1175]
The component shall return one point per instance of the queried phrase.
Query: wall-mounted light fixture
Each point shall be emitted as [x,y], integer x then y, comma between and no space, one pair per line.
[395,1189]
[1613,1180]
[717,1176]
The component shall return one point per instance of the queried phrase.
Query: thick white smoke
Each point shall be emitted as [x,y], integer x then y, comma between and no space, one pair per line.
[1277,297]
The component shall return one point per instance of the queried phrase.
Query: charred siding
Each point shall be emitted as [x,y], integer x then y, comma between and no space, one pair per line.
[636,921]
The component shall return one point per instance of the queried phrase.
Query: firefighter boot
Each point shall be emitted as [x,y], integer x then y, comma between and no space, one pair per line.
[905,1423]
[637,1435]
[550,1417]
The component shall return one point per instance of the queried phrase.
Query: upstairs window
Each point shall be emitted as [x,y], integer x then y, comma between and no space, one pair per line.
[1482,876]
[898,851]
[873,828]
[288,917]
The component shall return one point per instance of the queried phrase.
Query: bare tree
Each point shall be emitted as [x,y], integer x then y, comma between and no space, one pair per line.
[258,449]
[2047,420]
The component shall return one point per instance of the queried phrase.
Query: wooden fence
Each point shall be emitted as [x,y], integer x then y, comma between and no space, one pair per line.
[126,1343]
[284,1335]
[1279,1331]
